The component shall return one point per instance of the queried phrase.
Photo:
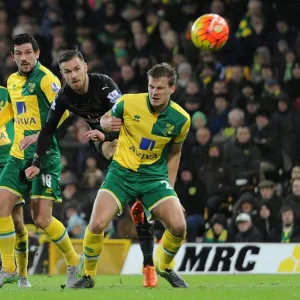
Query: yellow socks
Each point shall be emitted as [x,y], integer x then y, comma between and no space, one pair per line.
[21,252]
[92,246]
[59,235]
[170,246]
[7,244]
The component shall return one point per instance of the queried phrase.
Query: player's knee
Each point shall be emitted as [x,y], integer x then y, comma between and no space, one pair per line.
[97,226]
[178,229]
[42,221]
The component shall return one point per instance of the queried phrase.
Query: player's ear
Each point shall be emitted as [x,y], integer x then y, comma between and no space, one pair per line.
[85,67]
[12,56]
[62,73]
[173,88]
[37,54]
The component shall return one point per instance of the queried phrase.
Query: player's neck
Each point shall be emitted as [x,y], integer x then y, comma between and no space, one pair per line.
[160,108]
[85,86]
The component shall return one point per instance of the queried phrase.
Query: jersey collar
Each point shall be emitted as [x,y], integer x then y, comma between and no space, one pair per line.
[151,109]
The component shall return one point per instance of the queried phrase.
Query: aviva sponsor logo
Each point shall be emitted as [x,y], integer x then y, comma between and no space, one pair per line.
[25,121]
[142,155]
[145,144]
[292,263]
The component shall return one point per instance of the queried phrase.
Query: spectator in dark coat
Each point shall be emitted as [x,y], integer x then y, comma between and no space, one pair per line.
[270,96]
[192,195]
[199,153]
[252,108]
[284,119]
[267,221]
[247,232]
[218,117]
[216,177]
[293,199]
[265,136]
[243,158]
[289,231]
[268,197]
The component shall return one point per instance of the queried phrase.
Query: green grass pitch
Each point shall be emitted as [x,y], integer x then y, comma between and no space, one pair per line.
[124,287]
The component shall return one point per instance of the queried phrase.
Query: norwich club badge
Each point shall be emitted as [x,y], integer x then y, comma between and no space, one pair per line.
[31,87]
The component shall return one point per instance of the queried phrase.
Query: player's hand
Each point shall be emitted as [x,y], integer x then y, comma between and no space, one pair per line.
[31,172]
[111,124]
[27,141]
[95,135]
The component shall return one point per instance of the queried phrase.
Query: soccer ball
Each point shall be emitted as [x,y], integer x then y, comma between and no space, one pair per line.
[210,32]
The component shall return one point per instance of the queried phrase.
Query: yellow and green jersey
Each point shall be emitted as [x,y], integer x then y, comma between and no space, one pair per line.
[146,137]
[6,131]
[29,103]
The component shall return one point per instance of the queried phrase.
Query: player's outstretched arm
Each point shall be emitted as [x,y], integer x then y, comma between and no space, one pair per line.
[173,162]
[46,133]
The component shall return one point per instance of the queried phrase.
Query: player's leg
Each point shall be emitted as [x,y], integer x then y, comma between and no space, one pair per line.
[41,210]
[146,239]
[162,202]
[109,202]
[21,246]
[104,209]
[45,191]
[8,272]
[11,189]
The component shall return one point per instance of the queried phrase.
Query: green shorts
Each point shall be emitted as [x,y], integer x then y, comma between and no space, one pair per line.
[44,186]
[126,186]
[21,200]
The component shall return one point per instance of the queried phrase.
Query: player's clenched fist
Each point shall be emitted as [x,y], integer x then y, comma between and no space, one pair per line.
[31,172]
[111,123]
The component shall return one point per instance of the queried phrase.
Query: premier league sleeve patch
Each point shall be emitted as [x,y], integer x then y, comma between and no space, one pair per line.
[113,96]
[55,87]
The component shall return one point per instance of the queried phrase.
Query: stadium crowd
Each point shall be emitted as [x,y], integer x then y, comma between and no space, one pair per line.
[239,178]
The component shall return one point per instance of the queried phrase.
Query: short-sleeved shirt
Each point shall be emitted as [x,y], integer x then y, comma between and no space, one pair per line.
[146,137]
[30,100]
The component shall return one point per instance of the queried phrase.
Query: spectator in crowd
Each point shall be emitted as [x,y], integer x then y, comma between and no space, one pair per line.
[284,119]
[270,96]
[252,108]
[247,92]
[289,231]
[293,199]
[75,223]
[236,118]
[265,137]
[267,221]
[246,231]
[262,57]
[192,195]
[216,177]
[198,154]
[243,158]
[128,82]
[218,117]
[218,230]
[268,197]
[246,203]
